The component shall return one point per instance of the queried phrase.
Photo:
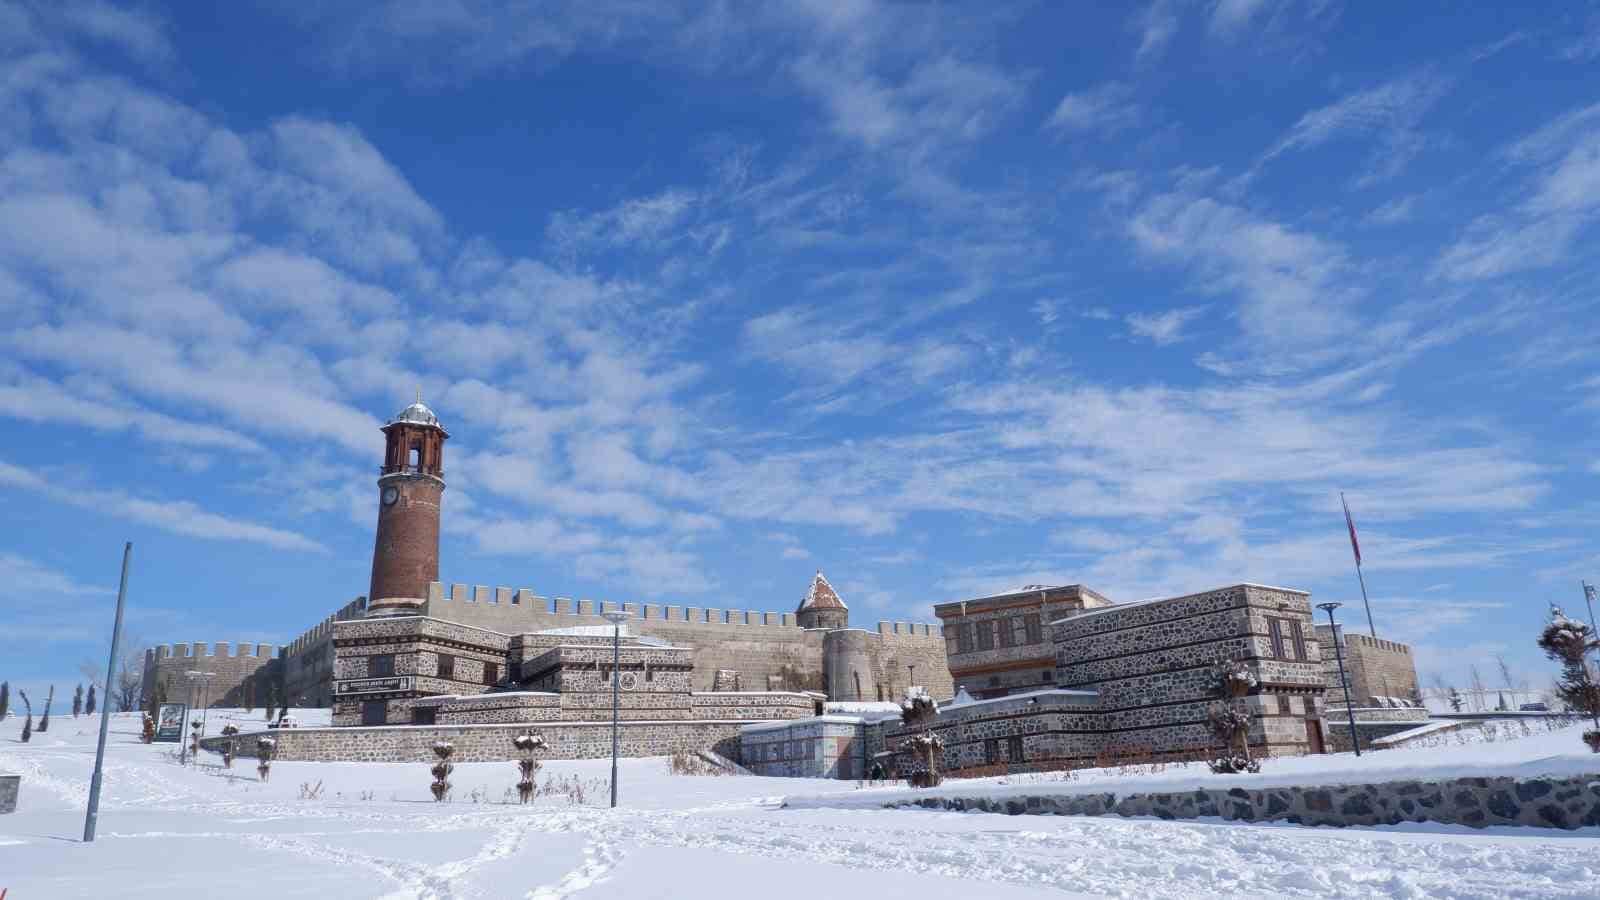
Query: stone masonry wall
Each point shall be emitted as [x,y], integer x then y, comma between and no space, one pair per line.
[767,649]
[1150,663]
[490,743]
[240,675]
[1553,802]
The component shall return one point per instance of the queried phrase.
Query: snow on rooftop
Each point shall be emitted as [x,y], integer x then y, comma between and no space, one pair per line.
[585,631]
[821,595]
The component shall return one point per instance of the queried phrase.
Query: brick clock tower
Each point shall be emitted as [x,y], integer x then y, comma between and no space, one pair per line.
[405,553]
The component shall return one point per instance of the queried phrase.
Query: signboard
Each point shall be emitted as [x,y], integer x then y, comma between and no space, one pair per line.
[373,685]
[169,722]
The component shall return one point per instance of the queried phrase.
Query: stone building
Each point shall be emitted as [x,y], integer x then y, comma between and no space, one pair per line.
[1001,644]
[812,648]
[1129,680]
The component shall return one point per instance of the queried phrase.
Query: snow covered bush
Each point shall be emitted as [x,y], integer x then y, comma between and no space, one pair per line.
[920,709]
[27,725]
[1229,717]
[441,770]
[1568,642]
[527,744]
[147,728]
[265,748]
[228,745]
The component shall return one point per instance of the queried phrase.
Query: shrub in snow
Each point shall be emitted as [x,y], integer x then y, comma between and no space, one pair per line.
[77,702]
[147,728]
[265,748]
[5,699]
[1568,642]
[441,770]
[920,709]
[1229,717]
[44,723]
[194,736]
[228,745]
[27,726]
[88,707]
[528,745]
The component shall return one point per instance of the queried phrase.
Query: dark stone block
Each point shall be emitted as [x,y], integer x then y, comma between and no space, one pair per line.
[1276,805]
[1015,808]
[1319,801]
[1466,798]
[1241,810]
[1532,790]
[1475,818]
[1238,792]
[1555,815]
[1501,804]
[1357,805]
[1408,789]
[1408,806]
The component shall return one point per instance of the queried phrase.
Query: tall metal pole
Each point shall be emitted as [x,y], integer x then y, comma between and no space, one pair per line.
[93,814]
[1364,602]
[183,739]
[616,618]
[616,681]
[205,705]
[1338,654]
[1588,600]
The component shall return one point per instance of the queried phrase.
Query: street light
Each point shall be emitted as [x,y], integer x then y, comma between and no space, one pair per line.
[203,679]
[616,617]
[1338,654]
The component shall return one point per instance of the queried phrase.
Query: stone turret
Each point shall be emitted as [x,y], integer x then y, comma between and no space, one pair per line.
[822,606]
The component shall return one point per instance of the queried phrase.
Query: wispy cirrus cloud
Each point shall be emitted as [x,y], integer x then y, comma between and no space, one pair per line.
[176,516]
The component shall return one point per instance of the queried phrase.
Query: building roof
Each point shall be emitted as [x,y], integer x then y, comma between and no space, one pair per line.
[1052,592]
[417,413]
[822,595]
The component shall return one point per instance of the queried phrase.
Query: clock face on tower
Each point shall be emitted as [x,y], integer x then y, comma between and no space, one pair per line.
[390,495]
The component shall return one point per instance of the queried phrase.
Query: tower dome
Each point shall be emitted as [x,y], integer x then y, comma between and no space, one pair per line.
[822,607]
[417,413]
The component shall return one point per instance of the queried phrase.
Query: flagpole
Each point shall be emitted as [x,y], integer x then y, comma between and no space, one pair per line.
[1370,630]
[1355,550]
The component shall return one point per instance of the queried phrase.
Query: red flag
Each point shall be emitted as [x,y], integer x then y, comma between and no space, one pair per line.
[1355,545]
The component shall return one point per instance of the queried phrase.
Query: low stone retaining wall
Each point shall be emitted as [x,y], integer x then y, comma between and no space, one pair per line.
[1556,802]
[489,743]
[9,785]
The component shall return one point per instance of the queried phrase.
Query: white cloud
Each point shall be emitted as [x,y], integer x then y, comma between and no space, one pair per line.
[1156,24]
[1561,191]
[1288,283]
[1394,211]
[1163,329]
[1104,109]
[1229,17]
[176,516]
[1391,110]
[25,577]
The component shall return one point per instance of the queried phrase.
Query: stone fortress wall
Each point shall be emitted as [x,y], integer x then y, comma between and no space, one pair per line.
[1374,668]
[768,650]
[240,672]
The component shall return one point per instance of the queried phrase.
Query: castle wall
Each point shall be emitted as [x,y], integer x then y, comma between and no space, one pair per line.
[1375,668]
[767,649]
[240,672]
[308,659]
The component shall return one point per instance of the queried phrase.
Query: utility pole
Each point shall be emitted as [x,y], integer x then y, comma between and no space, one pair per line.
[93,815]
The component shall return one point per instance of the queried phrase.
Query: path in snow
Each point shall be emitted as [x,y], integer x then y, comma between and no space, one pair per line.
[165,828]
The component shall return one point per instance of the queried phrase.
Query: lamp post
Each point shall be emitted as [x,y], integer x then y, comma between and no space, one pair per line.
[616,617]
[196,677]
[1338,654]
[93,814]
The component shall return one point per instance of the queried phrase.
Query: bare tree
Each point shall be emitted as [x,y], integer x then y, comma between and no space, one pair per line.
[1505,672]
[1477,687]
[129,679]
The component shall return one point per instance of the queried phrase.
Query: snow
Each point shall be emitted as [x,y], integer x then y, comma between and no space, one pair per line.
[374,831]
[1453,755]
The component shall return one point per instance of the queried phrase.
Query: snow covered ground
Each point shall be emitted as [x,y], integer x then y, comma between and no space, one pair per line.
[372,830]
[1497,749]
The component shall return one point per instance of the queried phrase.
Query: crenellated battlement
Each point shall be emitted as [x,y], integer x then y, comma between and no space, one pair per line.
[220,649]
[320,633]
[441,599]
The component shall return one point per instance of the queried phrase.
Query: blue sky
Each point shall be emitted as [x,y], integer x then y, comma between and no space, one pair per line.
[943,300]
